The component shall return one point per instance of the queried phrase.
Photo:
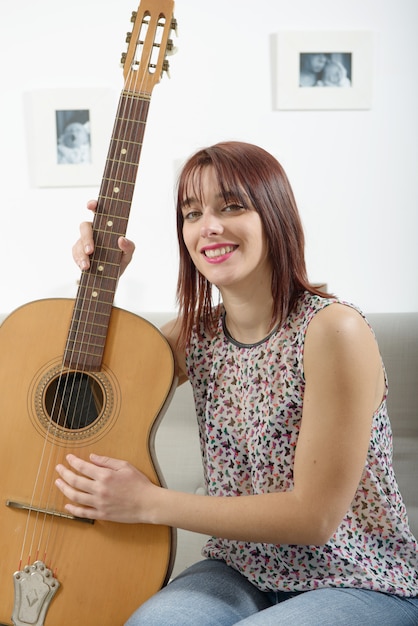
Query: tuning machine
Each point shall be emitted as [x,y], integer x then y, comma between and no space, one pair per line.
[174,25]
[170,49]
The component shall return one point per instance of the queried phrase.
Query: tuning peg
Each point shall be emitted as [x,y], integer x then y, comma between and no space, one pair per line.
[123,58]
[133,16]
[171,48]
[166,68]
[128,37]
[174,25]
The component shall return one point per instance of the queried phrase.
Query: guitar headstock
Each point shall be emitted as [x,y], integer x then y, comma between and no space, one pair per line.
[148,45]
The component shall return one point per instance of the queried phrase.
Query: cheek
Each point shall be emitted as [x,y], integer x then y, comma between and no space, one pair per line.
[189,241]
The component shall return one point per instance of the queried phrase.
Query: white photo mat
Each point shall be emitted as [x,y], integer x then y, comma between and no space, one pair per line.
[288,48]
[44,110]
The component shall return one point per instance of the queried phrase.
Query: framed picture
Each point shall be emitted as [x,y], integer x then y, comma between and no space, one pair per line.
[323,70]
[69,131]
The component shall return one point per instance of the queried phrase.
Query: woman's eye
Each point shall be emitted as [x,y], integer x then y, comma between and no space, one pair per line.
[230,208]
[191,215]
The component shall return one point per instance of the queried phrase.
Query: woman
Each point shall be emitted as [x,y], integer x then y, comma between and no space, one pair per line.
[306,521]
[311,69]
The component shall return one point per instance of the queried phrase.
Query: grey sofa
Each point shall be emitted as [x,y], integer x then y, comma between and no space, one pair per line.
[176,441]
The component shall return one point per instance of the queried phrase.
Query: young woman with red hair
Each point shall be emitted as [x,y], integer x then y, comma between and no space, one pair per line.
[306,522]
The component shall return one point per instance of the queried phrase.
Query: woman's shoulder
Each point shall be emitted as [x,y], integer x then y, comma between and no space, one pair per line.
[310,305]
[330,315]
[339,317]
[321,318]
[341,332]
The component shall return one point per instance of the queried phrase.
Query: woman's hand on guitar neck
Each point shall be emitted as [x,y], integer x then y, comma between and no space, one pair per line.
[84,246]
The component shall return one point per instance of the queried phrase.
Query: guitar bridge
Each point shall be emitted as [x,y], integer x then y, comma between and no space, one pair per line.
[28,507]
[34,586]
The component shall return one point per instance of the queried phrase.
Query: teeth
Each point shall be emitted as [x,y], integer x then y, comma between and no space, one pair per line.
[218,251]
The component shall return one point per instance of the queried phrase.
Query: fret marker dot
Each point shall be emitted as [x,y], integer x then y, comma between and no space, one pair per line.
[123,151]
[116,190]
[94,294]
[110,223]
[100,268]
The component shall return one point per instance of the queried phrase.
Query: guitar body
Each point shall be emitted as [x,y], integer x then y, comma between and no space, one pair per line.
[82,376]
[105,570]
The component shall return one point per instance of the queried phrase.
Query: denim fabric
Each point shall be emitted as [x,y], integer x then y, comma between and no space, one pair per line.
[211,593]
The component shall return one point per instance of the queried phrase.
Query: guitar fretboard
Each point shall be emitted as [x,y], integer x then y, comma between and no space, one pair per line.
[96,292]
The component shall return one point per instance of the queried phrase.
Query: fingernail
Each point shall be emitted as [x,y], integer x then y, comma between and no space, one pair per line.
[88,249]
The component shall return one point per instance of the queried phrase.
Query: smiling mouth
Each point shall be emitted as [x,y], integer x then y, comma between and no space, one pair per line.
[215,252]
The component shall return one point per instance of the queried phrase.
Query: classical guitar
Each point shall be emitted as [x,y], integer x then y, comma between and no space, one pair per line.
[83,375]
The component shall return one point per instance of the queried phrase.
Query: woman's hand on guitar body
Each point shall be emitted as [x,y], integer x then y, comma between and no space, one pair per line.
[84,246]
[105,489]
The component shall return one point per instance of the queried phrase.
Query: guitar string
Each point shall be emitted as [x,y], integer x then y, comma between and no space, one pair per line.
[126,101]
[79,366]
[105,248]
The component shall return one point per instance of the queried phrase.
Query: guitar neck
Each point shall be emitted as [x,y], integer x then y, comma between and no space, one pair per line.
[144,64]
[96,292]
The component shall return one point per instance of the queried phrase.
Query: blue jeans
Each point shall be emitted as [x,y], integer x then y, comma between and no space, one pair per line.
[211,593]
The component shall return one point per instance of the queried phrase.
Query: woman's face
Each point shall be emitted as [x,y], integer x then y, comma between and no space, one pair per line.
[225,239]
[317,62]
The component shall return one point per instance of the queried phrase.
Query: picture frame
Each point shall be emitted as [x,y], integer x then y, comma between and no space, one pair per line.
[303,81]
[69,132]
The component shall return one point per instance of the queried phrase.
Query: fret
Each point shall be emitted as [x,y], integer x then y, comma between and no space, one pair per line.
[130,142]
[118,180]
[93,346]
[112,198]
[121,118]
[117,187]
[107,219]
[87,329]
[128,150]
[98,297]
[91,318]
[101,272]
[106,271]
[125,162]
[115,229]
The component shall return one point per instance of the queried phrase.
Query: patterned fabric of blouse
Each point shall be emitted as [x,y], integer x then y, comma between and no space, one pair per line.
[249,402]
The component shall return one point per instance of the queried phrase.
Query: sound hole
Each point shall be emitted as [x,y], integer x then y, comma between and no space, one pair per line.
[74,400]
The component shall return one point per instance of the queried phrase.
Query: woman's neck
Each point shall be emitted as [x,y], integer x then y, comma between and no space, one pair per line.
[248,320]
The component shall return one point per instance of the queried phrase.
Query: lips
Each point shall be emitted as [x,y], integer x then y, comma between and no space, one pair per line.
[213,253]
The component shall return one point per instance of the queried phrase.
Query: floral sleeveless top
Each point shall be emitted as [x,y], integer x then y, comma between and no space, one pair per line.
[249,401]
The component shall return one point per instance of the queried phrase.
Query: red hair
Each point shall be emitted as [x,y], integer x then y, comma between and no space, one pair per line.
[252,175]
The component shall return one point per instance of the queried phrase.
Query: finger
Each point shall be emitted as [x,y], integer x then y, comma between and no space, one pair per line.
[107,462]
[89,470]
[84,246]
[92,205]
[72,485]
[83,512]
[128,249]
[86,237]
[75,494]
[127,246]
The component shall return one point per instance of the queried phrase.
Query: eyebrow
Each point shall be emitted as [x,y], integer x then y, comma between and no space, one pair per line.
[227,195]
[187,202]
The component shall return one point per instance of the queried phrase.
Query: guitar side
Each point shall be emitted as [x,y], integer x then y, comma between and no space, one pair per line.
[105,570]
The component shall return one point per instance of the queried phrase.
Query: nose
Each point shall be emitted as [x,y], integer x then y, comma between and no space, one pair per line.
[211,226]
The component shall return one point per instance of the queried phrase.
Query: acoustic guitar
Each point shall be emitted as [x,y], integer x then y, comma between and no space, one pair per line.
[80,376]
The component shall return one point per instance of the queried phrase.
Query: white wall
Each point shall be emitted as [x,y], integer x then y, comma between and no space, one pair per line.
[354,173]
